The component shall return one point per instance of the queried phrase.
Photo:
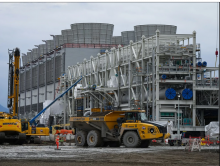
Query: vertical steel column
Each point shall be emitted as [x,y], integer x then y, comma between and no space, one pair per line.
[142,70]
[65,103]
[102,74]
[38,82]
[91,104]
[31,80]
[97,69]
[84,104]
[38,77]
[25,90]
[194,78]
[178,118]
[153,84]
[45,74]
[147,89]
[91,70]
[218,70]
[130,75]
[202,118]
[70,98]
[54,66]
[157,75]
[106,52]
[149,85]
[106,74]
[91,98]
[119,76]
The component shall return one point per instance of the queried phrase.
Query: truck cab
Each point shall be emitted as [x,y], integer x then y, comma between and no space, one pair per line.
[135,123]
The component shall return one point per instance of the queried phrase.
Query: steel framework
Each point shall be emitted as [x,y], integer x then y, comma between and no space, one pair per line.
[131,77]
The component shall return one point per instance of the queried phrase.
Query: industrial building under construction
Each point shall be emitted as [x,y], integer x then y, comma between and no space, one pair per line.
[150,68]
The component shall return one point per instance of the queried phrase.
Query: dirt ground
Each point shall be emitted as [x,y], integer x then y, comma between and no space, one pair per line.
[154,155]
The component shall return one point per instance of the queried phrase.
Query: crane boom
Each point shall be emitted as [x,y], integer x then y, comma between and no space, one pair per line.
[42,111]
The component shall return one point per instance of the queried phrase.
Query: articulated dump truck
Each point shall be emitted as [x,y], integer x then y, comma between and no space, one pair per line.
[114,128]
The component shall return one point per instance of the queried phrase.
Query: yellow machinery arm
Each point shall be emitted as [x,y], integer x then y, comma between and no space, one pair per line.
[14,80]
[12,129]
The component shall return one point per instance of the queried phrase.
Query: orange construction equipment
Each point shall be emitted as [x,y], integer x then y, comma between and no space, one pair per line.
[64,131]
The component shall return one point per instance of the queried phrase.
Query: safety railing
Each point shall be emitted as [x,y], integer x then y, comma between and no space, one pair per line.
[206,83]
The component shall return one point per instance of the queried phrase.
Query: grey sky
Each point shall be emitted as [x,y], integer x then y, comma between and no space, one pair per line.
[24,25]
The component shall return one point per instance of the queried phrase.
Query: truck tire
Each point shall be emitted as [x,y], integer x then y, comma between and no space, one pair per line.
[171,143]
[28,140]
[131,139]
[31,139]
[145,143]
[80,138]
[94,139]
[22,136]
[2,137]
[114,144]
[36,140]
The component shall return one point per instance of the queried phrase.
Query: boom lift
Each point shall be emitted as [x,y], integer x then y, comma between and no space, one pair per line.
[40,131]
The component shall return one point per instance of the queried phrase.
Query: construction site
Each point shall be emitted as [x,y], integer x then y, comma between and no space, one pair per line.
[86,93]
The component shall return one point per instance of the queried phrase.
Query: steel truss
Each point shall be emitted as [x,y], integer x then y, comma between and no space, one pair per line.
[129,77]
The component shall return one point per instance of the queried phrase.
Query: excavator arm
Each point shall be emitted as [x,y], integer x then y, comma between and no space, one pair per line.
[13,81]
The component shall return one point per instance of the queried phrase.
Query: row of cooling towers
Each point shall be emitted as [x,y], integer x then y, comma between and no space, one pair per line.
[97,33]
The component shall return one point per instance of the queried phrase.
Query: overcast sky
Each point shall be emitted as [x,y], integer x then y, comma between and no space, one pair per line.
[24,25]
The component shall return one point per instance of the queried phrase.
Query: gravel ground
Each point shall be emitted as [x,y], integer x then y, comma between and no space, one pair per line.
[71,155]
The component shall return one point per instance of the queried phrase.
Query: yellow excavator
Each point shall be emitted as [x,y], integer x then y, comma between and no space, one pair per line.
[12,129]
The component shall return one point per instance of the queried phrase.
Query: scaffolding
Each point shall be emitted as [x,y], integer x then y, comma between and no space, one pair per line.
[137,76]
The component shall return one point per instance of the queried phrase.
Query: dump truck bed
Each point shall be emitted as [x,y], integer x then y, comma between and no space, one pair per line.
[104,121]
